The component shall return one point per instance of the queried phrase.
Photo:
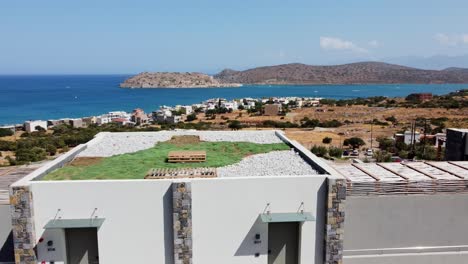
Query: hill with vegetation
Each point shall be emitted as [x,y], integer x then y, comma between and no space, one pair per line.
[354,73]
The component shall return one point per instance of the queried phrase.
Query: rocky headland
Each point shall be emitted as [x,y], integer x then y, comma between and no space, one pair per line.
[174,80]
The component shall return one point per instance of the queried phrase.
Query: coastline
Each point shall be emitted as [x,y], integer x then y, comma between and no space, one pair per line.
[236,85]
[76,96]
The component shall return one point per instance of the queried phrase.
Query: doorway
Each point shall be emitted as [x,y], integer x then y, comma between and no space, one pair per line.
[283,243]
[82,246]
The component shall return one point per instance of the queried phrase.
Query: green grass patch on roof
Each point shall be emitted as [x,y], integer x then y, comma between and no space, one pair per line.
[136,165]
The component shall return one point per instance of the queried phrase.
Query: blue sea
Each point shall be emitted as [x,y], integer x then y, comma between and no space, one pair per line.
[49,97]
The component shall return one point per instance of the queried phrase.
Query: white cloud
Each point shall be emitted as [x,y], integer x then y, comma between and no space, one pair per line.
[451,39]
[465,38]
[445,39]
[331,43]
[374,43]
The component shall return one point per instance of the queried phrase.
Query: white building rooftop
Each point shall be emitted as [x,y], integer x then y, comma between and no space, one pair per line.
[119,156]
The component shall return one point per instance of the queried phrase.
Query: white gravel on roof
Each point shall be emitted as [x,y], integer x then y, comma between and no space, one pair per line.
[275,163]
[112,144]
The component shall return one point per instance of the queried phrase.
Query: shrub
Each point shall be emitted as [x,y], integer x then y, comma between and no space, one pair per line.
[5,132]
[426,152]
[7,146]
[403,154]
[354,142]
[385,143]
[272,123]
[440,122]
[391,119]
[235,125]
[25,155]
[51,149]
[327,140]
[330,123]
[320,151]
[328,102]
[191,117]
[40,129]
[382,156]
[335,152]
[11,161]
[312,123]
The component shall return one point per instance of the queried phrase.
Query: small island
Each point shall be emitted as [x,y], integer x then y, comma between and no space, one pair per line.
[174,80]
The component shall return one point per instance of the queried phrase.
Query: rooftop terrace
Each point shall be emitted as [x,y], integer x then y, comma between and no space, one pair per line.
[230,153]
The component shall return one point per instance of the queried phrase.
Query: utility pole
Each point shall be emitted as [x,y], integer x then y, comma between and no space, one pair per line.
[424,141]
[372,129]
[371,132]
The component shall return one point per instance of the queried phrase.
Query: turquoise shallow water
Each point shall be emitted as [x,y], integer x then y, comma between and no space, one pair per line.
[47,97]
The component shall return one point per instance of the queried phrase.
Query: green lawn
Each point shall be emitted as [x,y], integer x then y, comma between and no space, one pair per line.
[136,165]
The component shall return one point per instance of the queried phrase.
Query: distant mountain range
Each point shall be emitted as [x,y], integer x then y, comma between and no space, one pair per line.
[437,62]
[296,73]
[353,73]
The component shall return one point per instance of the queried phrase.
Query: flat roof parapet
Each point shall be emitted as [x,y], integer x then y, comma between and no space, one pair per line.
[298,161]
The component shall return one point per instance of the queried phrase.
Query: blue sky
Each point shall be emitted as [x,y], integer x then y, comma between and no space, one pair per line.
[103,36]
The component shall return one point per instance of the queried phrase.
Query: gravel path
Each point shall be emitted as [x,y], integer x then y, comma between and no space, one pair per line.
[276,163]
[121,143]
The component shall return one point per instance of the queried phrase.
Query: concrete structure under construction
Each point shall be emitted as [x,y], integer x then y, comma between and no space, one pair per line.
[279,207]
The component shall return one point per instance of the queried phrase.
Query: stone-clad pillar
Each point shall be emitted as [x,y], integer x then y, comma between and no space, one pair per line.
[335,221]
[23,225]
[182,216]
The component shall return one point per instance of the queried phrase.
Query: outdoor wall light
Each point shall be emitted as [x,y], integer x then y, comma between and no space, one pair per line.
[257,239]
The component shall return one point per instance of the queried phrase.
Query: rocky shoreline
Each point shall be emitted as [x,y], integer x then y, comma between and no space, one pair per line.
[174,80]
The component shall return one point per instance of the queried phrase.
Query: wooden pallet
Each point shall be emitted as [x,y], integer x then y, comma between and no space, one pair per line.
[186,156]
[175,173]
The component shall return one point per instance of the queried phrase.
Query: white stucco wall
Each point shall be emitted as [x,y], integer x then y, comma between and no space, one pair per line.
[5,223]
[406,229]
[225,217]
[5,229]
[136,216]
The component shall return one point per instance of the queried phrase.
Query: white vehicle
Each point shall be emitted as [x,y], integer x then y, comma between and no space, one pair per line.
[369,152]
